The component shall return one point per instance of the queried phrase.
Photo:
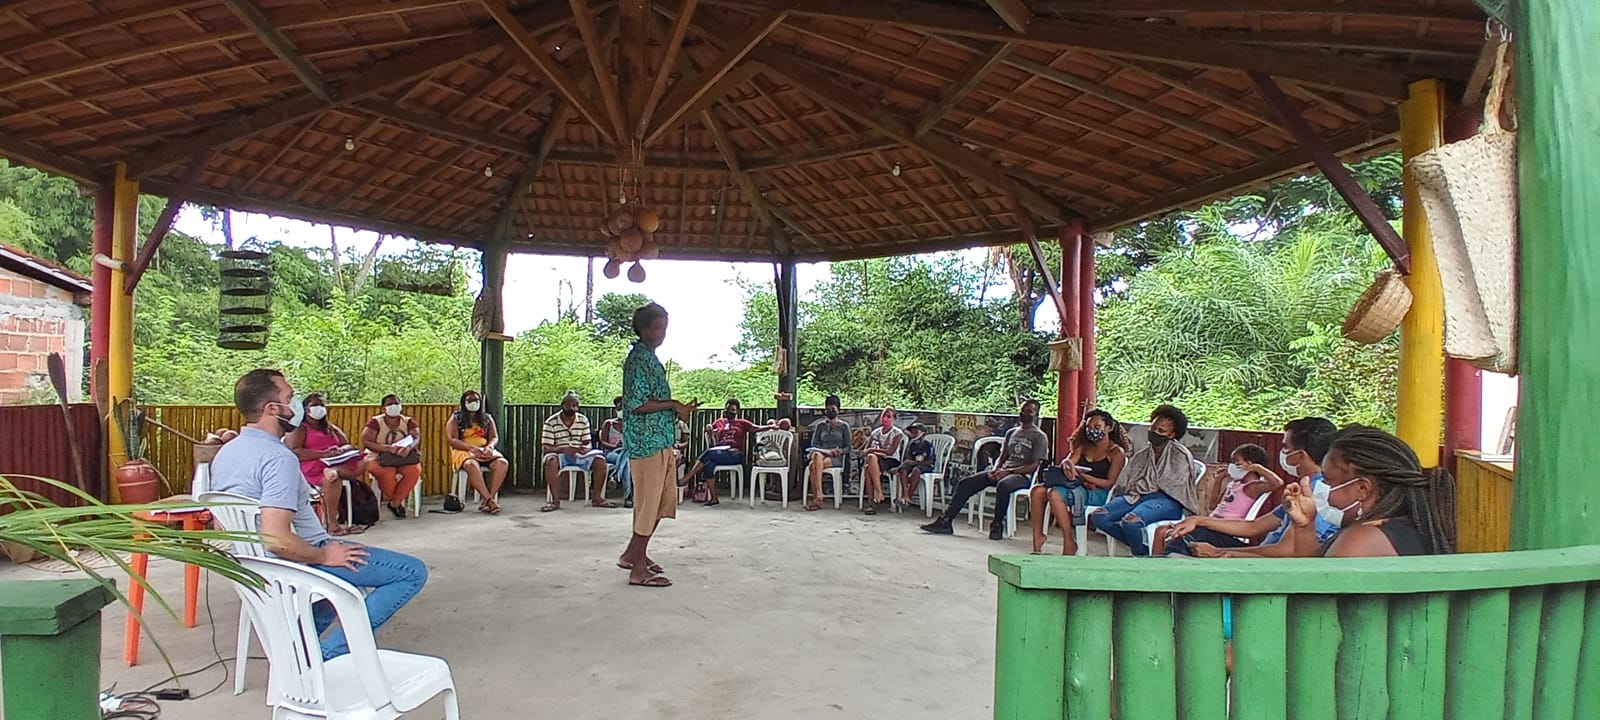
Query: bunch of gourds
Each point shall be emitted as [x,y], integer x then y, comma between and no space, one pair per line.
[631,239]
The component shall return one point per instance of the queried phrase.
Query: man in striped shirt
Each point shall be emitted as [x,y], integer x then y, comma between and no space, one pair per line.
[567,443]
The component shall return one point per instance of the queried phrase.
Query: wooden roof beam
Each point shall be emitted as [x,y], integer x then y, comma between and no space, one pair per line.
[916,194]
[272,162]
[774,161]
[974,74]
[253,18]
[533,54]
[669,58]
[1016,13]
[755,128]
[158,232]
[584,17]
[730,155]
[965,193]
[548,135]
[1170,45]
[431,122]
[39,158]
[1142,8]
[794,69]
[690,91]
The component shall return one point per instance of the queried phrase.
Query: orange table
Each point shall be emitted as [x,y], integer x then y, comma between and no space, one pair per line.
[191,519]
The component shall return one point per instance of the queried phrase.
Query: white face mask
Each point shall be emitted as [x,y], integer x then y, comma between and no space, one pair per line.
[1235,472]
[1328,513]
[473,406]
[317,412]
[392,410]
[1283,462]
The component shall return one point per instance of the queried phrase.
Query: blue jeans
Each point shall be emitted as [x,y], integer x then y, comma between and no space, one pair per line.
[717,458]
[618,459]
[394,577]
[1149,509]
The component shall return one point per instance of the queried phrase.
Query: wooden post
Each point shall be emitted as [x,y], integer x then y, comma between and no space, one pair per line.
[1070,237]
[119,311]
[491,361]
[1420,414]
[1086,324]
[100,301]
[1555,499]
[788,340]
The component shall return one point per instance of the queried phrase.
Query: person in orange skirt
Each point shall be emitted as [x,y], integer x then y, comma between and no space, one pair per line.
[397,462]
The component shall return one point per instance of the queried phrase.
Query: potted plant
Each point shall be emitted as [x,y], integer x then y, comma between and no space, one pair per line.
[138,481]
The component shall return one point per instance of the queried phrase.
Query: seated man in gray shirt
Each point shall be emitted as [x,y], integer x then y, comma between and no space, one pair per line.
[830,447]
[1025,447]
[258,465]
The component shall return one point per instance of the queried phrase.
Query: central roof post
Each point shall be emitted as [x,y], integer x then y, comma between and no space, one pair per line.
[492,354]
[788,360]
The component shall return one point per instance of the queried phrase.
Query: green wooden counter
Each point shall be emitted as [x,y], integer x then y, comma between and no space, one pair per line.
[50,648]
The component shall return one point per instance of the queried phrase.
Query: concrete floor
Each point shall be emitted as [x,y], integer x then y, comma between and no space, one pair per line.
[775,614]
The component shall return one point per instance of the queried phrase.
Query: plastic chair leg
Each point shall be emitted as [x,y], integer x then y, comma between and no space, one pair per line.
[241,652]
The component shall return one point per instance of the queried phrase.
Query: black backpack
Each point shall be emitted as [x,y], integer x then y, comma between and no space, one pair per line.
[363,504]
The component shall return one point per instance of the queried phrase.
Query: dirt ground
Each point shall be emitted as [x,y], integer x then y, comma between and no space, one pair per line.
[775,614]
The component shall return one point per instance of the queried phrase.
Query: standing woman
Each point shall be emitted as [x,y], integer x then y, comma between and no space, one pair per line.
[472,437]
[315,440]
[1099,450]
[649,433]
[398,463]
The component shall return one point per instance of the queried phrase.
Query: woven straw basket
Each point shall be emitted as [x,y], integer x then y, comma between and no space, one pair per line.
[1379,310]
[1469,192]
[1066,354]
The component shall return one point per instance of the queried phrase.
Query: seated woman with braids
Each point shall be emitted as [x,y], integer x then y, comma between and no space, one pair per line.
[1379,495]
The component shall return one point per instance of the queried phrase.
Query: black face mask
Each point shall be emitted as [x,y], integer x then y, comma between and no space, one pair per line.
[1159,440]
[730,414]
[568,413]
[831,413]
[1027,418]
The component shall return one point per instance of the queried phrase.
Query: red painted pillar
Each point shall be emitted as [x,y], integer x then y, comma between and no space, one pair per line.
[1086,325]
[1067,398]
[100,301]
[1463,383]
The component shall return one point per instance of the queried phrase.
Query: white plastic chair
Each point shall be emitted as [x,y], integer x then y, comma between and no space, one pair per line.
[463,487]
[577,478]
[237,513]
[933,482]
[736,470]
[365,684]
[835,475]
[975,505]
[377,491]
[759,473]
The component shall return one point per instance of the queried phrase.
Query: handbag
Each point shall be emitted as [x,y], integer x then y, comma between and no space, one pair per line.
[391,460]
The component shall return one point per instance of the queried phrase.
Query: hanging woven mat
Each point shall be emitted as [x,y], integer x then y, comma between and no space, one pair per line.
[1469,192]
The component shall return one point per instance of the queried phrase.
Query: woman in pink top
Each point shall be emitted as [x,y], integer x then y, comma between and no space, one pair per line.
[316,440]
[1248,479]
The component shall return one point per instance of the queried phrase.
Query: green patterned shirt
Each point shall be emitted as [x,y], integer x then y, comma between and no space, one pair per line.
[643,380]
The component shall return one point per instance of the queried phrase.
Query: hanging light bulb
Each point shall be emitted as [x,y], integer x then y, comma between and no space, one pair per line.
[349,143]
[558,48]
[713,209]
[488,171]
[896,171]
[622,199]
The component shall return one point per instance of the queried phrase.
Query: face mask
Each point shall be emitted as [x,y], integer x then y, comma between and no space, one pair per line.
[1158,440]
[831,413]
[1283,462]
[1094,435]
[317,412]
[729,414]
[568,412]
[1028,418]
[297,414]
[1328,513]
[392,410]
[473,405]
[1235,472]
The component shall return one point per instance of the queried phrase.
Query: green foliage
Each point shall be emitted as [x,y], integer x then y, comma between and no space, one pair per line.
[613,314]
[16,229]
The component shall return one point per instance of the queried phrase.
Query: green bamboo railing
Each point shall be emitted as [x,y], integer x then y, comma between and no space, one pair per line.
[1483,636]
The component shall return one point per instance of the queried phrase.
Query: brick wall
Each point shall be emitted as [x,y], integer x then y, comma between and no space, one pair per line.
[36,319]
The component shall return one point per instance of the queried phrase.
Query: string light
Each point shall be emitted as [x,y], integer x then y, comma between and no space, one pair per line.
[713,209]
[488,171]
[896,171]
[349,143]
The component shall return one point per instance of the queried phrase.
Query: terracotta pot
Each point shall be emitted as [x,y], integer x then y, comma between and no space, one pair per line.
[138,483]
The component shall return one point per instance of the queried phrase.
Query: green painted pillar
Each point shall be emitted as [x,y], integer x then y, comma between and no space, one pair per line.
[1556,497]
[492,359]
[50,648]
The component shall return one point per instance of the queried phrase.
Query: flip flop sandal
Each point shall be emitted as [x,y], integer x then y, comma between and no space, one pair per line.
[550,507]
[494,508]
[654,568]
[654,581]
[813,506]
[869,510]
[603,504]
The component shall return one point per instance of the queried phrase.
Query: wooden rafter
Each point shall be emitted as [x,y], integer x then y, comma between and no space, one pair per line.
[584,17]
[774,161]
[1192,83]
[1016,14]
[796,71]
[730,155]
[1142,8]
[1170,45]
[754,126]
[960,188]
[46,160]
[268,164]
[969,79]
[669,59]
[440,124]
[257,21]
[530,51]
[328,161]
[158,232]
[689,91]
[916,194]
[548,135]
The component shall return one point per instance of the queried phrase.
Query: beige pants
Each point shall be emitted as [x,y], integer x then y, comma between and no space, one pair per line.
[655,490]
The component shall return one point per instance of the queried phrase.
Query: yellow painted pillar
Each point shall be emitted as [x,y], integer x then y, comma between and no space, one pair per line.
[119,343]
[1420,415]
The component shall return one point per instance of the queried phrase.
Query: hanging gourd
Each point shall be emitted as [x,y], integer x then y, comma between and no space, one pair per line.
[245,307]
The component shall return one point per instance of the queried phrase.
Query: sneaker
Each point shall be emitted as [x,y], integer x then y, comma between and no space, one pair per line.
[939,526]
[997,531]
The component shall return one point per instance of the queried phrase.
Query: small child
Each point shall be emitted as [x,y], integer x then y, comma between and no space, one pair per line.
[1248,479]
[919,459]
